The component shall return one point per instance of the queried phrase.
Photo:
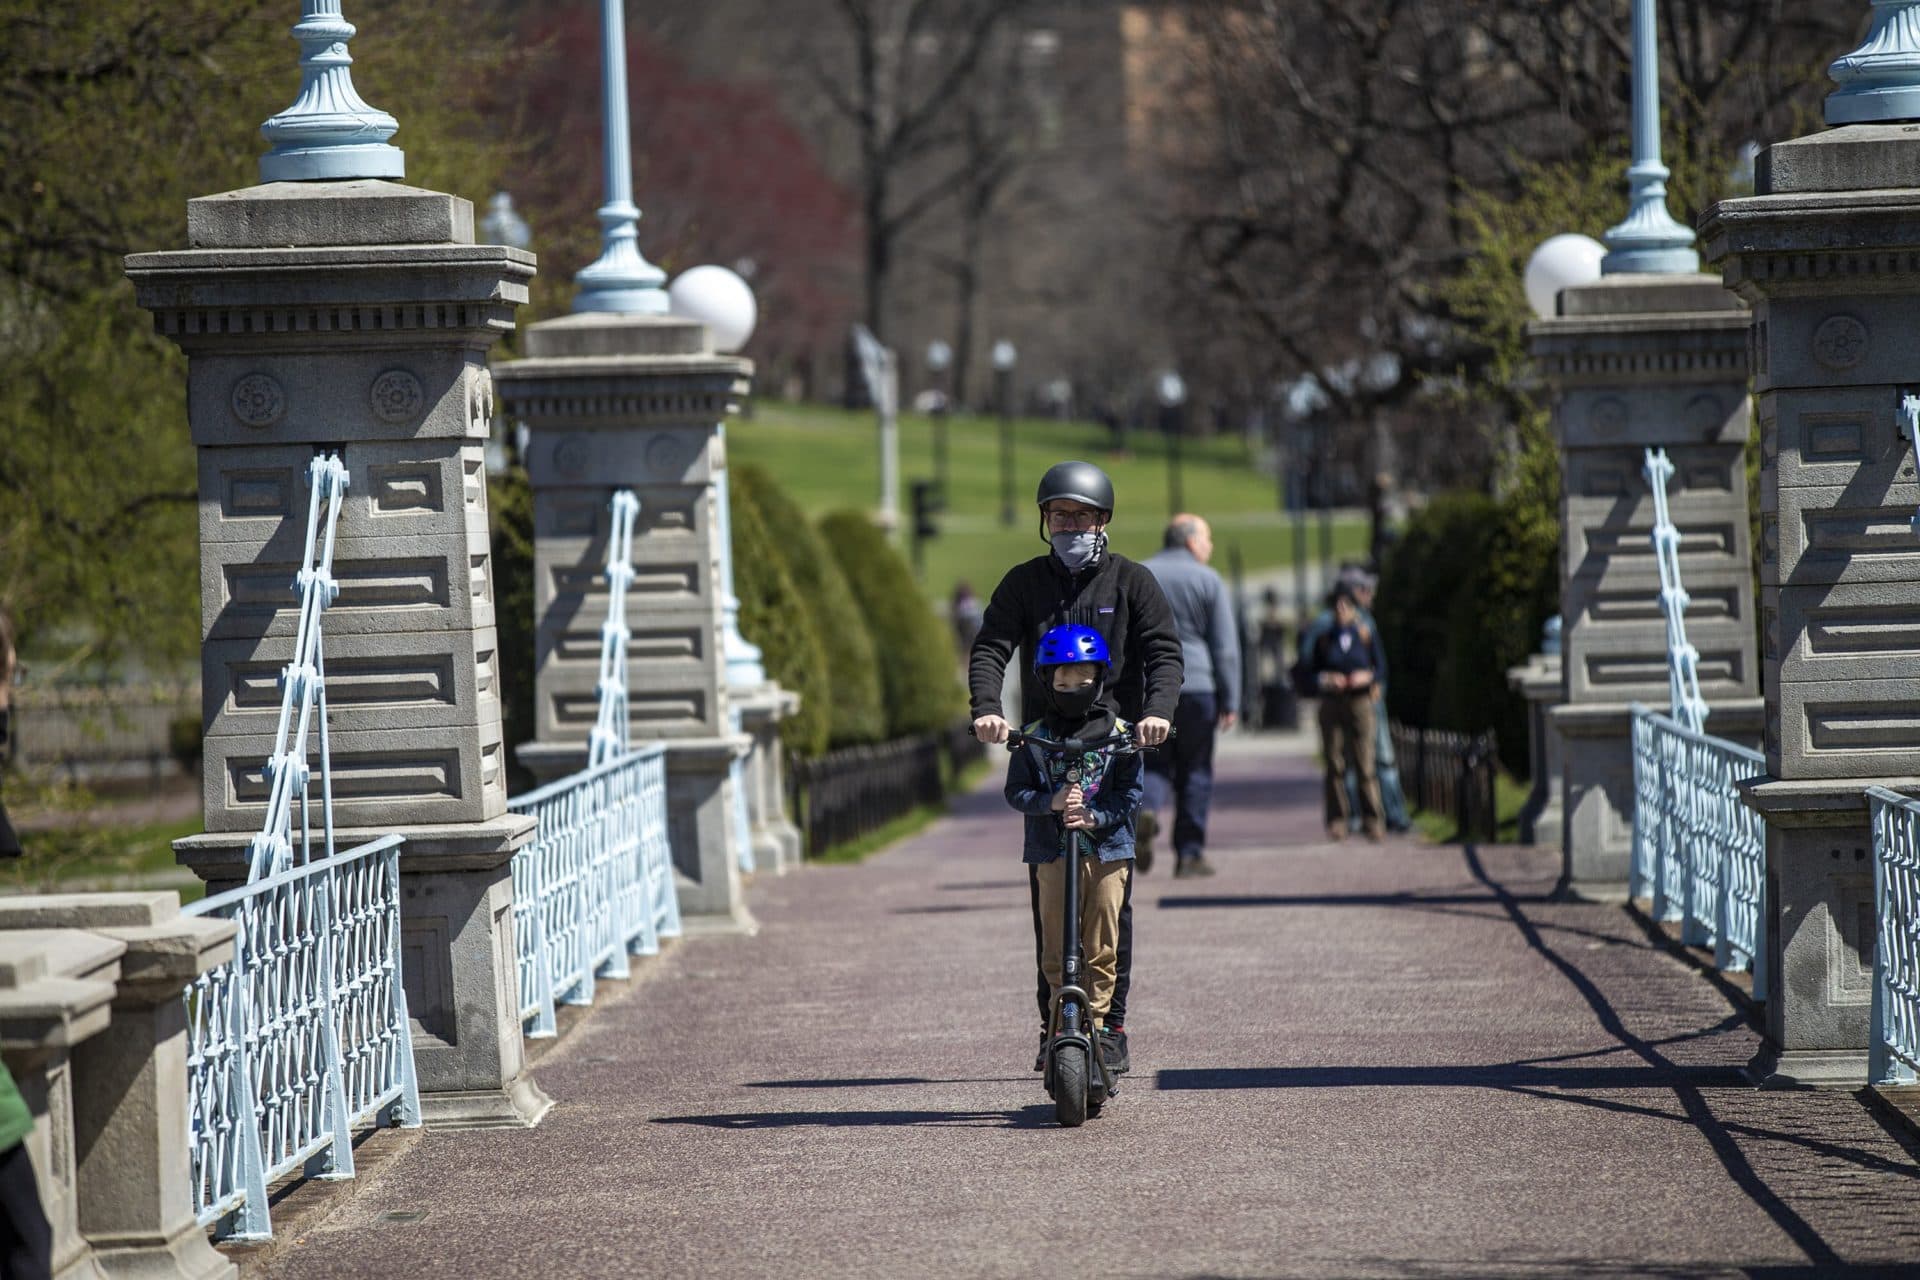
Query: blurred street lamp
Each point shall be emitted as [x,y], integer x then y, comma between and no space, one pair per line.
[620,280]
[1649,240]
[939,360]
[1560,263]
[722,301]
[719,299]
[1171,389]
[503,223]
[1004,359]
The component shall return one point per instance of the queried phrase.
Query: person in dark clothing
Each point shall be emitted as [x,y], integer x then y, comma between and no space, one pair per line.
[26,1237]
[1081,582]
[1209,695]
[1346,659]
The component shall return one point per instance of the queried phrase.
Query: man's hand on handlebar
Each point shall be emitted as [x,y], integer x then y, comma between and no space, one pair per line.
[1152,731]
[990,729]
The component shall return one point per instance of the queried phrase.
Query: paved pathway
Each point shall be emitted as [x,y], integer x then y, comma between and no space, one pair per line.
[1349,1060]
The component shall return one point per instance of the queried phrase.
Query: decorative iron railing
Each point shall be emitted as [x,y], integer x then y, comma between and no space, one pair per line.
[300,1038]
[1699,853]
[595,884]
[854,791]
[1683,659]
[303,688]
[1893,1053]
[303,1034]
[1452,774]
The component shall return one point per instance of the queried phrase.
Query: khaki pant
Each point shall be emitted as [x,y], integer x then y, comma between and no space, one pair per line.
[1346,735]
[1102,886]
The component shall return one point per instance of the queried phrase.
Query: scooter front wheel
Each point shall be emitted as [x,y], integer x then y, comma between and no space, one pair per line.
[1070,1070]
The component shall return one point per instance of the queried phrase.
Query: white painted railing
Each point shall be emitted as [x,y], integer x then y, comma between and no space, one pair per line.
[303,1034]
[1893,1053]
[1698,852]
[300,1038]
[595,884]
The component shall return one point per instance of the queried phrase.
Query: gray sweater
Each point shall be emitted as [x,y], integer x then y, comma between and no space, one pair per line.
[1209,640]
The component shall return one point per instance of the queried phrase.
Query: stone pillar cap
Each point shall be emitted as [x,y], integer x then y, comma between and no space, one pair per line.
[56,986]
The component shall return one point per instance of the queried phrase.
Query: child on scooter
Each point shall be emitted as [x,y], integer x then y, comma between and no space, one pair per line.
[1072,665]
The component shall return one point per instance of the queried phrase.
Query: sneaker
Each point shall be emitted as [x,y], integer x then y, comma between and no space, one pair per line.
[1113,1049]
[1145,827]
[1336,832]
[1195,866]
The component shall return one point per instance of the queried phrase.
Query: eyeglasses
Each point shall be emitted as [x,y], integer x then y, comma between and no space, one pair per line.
[1058,519]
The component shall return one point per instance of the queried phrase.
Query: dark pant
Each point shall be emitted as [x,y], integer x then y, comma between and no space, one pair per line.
[26,1238]
[1123,953]
[1183,768]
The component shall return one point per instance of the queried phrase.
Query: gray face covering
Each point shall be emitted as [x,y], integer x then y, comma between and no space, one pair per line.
[1078,550]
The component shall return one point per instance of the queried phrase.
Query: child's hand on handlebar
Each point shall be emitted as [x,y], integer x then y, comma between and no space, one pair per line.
[1079,818]
[1068,799]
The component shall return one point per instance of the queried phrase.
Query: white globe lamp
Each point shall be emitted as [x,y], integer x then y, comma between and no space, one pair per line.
[1560,263]
[719,299]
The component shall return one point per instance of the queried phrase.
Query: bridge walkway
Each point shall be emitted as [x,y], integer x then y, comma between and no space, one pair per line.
[1349,1060]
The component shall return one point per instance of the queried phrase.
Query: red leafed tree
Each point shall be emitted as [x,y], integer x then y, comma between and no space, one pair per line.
[720,173]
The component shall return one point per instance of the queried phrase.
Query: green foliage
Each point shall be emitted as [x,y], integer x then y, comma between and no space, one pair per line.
[774,615]
[510,531]
[115,118]
[855,712]
[1418,585]
[917,672]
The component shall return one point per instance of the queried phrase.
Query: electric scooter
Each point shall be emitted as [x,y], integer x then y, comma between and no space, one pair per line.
[1076,1079]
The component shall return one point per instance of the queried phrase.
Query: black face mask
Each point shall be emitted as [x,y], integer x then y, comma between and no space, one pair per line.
[1074,704]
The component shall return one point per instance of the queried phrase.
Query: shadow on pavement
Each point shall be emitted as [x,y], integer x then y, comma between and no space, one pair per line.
[1718,1134]
[1503,1075]
[1342,900]
[952,908]
[1034,1117]
[869,1082]
[983,885]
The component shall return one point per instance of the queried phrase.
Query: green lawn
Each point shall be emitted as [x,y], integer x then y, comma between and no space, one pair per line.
[1509,798]
[74,851]
[829,458]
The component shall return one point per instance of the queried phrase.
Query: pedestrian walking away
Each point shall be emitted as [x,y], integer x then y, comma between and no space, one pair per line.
[1080,582]
[1209,695]
[1343,664]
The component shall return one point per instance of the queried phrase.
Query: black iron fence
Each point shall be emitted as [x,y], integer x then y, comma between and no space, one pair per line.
[846,794]
[1451,774]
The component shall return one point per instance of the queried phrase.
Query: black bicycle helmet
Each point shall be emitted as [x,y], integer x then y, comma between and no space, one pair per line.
[1076,482]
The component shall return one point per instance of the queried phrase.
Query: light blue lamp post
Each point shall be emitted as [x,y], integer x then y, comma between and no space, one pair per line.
[1880,81]
[1649,241]
[329,134]
[620,279]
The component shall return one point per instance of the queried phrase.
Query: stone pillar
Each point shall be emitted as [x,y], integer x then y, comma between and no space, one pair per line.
[55,987]
[776,841]
[133,1166]
[1642,361]
[355,317]
[625,401]
[1828,253]
[1539,682]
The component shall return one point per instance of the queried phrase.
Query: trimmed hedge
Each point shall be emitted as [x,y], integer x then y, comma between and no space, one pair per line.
[855,711]
[1462,598]
[774,615]
[917,673]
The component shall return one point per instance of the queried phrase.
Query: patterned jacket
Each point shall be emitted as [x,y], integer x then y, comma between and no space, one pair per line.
[1111,779]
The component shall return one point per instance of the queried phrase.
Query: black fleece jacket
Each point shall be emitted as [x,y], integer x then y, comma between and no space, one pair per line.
[1117,597]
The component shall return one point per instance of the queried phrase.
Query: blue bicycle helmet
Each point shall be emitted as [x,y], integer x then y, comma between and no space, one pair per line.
[1063,645]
